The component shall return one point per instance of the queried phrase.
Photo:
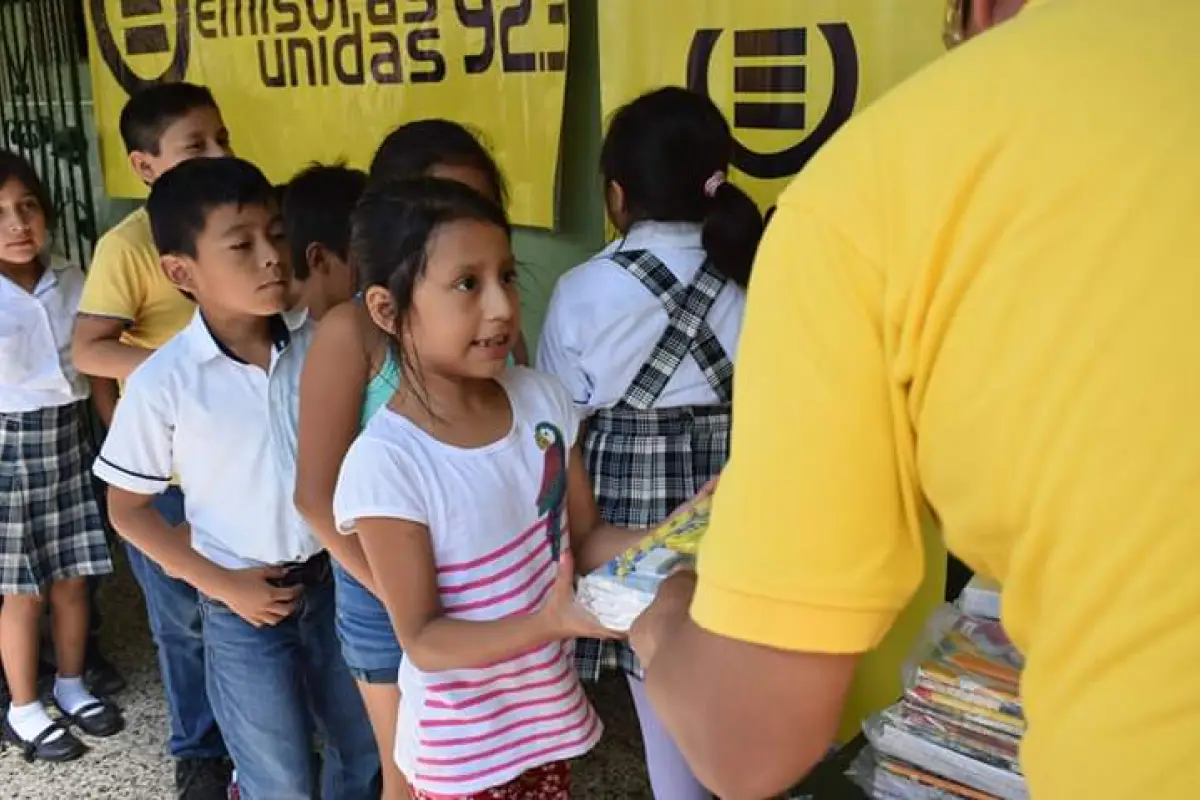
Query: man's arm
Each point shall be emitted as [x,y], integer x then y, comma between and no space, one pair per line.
[815,545]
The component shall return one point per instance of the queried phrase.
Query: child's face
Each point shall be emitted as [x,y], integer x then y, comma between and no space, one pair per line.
[242,265]
[465,313]
[200,133]
[22,224]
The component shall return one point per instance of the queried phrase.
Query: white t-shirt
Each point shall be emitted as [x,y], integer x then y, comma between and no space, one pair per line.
[602,324]
[490,512]
[36,370]
[227,429]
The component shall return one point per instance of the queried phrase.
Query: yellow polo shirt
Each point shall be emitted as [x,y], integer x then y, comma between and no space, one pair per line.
[984,294]
[126,282]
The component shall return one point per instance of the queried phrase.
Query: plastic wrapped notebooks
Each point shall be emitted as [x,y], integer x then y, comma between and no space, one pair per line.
[957,731]
[622,589]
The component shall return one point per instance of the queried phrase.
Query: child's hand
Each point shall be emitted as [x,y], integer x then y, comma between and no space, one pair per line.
[565,618]
[250,595]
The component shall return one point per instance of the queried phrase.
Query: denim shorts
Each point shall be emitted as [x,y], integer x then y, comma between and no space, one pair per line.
[364,628]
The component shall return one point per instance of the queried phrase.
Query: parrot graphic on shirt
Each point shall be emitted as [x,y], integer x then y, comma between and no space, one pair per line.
[553,493]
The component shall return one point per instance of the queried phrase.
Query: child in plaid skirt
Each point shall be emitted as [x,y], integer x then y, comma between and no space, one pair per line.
[51,533]
[643,336]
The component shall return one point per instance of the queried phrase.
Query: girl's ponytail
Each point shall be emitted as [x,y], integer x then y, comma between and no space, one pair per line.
[668,151]
[733,228]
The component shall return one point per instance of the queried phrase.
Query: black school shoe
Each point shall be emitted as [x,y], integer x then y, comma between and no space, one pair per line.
[202,778]
[64,748]
[100,676]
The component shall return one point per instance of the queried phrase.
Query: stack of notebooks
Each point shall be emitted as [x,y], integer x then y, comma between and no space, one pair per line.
[956,733]
[620,591]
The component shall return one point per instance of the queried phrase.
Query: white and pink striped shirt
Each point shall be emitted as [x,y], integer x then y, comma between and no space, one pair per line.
[491,513]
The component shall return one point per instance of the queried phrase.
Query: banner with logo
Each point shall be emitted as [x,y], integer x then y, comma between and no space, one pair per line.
[787,73]
[320,80]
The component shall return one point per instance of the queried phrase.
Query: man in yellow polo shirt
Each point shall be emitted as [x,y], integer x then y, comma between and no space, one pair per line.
[984,296]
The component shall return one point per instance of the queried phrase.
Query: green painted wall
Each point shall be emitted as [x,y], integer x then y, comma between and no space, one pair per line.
[543,255]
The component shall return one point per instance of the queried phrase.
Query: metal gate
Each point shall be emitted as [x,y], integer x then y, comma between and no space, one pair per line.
[42,111]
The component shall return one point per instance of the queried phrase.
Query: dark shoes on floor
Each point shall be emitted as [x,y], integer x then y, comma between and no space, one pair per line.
[100,719]
[101,677]
[65,748]
[202,778]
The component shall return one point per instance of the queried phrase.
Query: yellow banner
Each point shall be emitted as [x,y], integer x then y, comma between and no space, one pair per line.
[319,80]
[787,73]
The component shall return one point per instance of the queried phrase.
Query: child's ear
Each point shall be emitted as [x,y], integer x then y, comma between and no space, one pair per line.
[614,202]
[178,270]
[382,309]
[143,166]
[314,255]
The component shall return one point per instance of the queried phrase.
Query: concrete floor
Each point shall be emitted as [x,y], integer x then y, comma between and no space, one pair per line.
[132,766]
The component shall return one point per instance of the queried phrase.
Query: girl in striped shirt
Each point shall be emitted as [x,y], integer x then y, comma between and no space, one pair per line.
[472,505]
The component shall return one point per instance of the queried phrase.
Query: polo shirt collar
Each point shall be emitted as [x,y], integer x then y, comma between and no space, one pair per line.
[207,346]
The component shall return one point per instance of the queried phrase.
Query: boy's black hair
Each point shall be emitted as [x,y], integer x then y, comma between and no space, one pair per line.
[148,113]
[663,148]
[317,204]
[413,149]
[183,197]
[16,167]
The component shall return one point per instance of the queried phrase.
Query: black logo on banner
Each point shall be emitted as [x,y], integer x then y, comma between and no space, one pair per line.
[144,33]
[754,85]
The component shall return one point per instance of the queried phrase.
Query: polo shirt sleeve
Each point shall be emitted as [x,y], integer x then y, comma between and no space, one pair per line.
[116,282]
[815,544]
[137,452]
[557,352]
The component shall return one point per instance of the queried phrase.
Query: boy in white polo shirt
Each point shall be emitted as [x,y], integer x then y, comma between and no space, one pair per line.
[216,406]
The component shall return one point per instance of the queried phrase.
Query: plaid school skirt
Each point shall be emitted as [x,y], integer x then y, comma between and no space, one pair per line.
[643,466]
[50,524]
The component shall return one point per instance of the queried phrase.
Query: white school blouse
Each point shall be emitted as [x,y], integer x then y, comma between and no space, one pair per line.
[227,429]
[36,370]
[602,323]
[490,512]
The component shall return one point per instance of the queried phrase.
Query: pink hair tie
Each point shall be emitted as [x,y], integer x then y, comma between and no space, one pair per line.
[713,183]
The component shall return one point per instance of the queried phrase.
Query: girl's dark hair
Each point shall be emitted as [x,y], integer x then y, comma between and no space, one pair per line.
[391,230]
[15,167]
[415,148]
[662,149]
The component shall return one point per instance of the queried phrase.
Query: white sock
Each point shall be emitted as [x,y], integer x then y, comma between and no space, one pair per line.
[29,721]
[72,695]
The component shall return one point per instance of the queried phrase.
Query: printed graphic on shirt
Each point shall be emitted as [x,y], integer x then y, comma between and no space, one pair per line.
[550,499]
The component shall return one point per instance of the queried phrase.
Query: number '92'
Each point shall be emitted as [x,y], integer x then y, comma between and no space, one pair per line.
[498,20]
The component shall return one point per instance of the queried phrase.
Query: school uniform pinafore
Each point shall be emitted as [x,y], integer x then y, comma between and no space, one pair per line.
[644,461]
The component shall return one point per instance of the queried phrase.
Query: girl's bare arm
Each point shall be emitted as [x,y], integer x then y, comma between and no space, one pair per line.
[336,373]
[400,553]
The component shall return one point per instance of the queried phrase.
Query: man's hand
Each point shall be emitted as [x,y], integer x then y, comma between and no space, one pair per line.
[670,607]
[250,594]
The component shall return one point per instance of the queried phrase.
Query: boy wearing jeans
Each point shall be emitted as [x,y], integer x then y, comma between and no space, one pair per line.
[128,310]
[216,406]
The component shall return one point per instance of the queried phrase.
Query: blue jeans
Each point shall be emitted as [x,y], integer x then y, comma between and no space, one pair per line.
[274,687]
[174,612]
[365,630]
